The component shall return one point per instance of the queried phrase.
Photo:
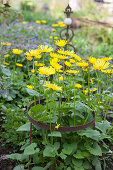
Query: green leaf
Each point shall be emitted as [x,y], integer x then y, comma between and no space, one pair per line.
[6,71]
[81,154]
[30,150]
[103,126]
[32,92]
[17,156]
[79,168]
[87,165]
[77,162]
[25,127]
[19,167]
[69,148]
[55,133]
[49,151]
[90,133]
[37,109]
[62,155]
[37,168]
[95,149]
[56,145]
[96,163]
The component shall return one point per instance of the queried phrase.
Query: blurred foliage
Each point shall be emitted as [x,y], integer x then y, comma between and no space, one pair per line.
[28,5]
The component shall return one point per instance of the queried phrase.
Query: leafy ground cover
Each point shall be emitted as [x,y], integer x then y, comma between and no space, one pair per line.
[31,70]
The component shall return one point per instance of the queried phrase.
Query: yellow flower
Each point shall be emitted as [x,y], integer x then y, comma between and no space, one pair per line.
[72,61]
[38,56]
[54,64]
[24,22]
[106,58]
[7,55]
[55,25]
[29,58]
[78,85]
[92,60]
[45,48]
[46,70]
[85,91]
[38,64]
[37,21]
[33,71]
[7,64]
[57,126]
[65,52]
[101,65]
[92,80]
[50,37]
[95,89]
[55,38]
[34,53]
[75,41]
[44,21]
[60,78]
[52,86]
[100,102]
[76,57]
[111,66]
[19,65]
[62,25]
[61,43]
[82,64]
[30,87]
[67,63]
[16,51]
[8,44]
[72,71]
[85,69]
[61,57]
[108,71]
[53,30]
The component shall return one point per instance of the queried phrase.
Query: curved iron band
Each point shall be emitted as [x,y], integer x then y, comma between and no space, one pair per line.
[60,129]
[68,44]
[66,29]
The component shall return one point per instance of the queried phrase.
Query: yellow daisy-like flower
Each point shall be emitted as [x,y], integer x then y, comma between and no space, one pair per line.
[107,58]
[85,69]
[3,43]
[75,41]
[61,43]
[37,21]
[52,86]
[50,37]
[7,55]
[55,65]
[82,64]
[65,52]
[17,51]
[55,38]
[53,30]
[38,64]
[100,102]
[111,66]
[78,86]
[72,71]
[38,56]
[57,126]
[85,91]
[44,21]
[95,89]
[46,70]
[92,60]
[7,64]
[19,65]
[35,53]
[101,65]
[72,61]
[30,87]
[45,48]
[33,71]
[29,58]
[60,78]
[55,25]
[8,44]
[61,57]
[76,57]
[62,25]
[67,63]
[108,71]
[92,80]
[24,22]
[30,27]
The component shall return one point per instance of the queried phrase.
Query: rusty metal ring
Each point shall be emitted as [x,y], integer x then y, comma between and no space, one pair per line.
[68,38]
[60,129]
